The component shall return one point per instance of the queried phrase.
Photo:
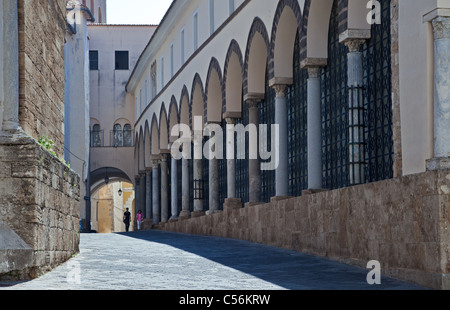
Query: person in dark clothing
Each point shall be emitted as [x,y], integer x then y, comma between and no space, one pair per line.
[127,219]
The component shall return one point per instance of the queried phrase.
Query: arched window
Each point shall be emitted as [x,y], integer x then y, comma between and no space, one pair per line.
[335,153]
[267,117]
[298,127]
[127,136]
[378,100]
[118,136]
[96,136]
[242,155]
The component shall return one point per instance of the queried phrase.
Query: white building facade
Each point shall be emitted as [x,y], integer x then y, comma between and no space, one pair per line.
[358,91]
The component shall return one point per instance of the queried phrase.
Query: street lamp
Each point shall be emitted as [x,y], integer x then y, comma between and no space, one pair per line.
[106,178]
[120,192]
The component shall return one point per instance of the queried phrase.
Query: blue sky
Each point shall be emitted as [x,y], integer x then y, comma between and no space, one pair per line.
[136,11]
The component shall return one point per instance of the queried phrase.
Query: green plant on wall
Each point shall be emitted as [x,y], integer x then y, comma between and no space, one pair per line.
[48,144]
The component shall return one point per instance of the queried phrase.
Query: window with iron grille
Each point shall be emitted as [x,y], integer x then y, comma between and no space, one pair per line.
[334,91]
[378,100]
[223,173]
[267,117]
[298,127]
[205,180]
[242,177]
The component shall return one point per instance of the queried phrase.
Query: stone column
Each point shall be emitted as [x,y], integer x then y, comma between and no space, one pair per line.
[231,202]
[198,172]
[356,112]
[231,161]
[254,166]
[213,178]
[185,199]
[156,192]
[148,194]
[174,191]
[281,119]
[441,29]
[137,192]
[314,129]
[164,189]
[142,205]
[9,46]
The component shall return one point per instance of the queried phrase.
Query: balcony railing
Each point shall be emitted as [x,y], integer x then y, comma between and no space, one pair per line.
[117,138]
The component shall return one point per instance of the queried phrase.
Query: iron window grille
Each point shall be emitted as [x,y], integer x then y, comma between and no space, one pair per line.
[298,127]
[378,100]
[335,157]
[267,117]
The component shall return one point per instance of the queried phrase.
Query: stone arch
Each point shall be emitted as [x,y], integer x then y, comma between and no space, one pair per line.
[185,107]
[256,55]
[163,130]
[314,34]
[198,100]
[215,97]
[154,134]
[233,79]
[173,118]
[286,25]
[136,154]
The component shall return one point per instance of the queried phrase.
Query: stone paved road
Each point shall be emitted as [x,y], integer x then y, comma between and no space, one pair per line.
[164,261]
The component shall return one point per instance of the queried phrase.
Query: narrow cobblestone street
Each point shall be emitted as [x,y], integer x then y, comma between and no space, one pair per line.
[165,261]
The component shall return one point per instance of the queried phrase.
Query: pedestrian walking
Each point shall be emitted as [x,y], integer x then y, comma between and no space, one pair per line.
[139,219]
[127,219]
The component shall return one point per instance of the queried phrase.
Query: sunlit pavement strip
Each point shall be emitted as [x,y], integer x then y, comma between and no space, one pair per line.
[164,261]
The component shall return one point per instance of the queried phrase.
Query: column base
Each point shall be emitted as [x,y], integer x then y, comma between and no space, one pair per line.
[232,204]
[312,191]
[442,163]
[211,212]
[279,198]
[184,215]
[173,219]
[146,225]
[197,214]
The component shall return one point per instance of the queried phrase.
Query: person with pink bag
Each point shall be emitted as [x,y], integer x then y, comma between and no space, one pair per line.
[139,219]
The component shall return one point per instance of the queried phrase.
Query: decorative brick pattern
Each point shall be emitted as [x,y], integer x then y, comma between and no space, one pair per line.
[257,27]
[214,66]
[292,4]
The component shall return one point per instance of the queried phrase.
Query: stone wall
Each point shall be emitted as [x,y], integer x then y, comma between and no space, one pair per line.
[42,26]
[39,201]
[404,223]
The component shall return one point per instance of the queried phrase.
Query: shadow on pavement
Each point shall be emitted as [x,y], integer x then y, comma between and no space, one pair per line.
[287,269]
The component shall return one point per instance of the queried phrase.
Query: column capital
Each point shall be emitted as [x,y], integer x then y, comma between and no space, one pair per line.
[230,121]
[441,27]
[354,45]
[155,163]
[280,90]
[164,157]
[313,72]
[252,103]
